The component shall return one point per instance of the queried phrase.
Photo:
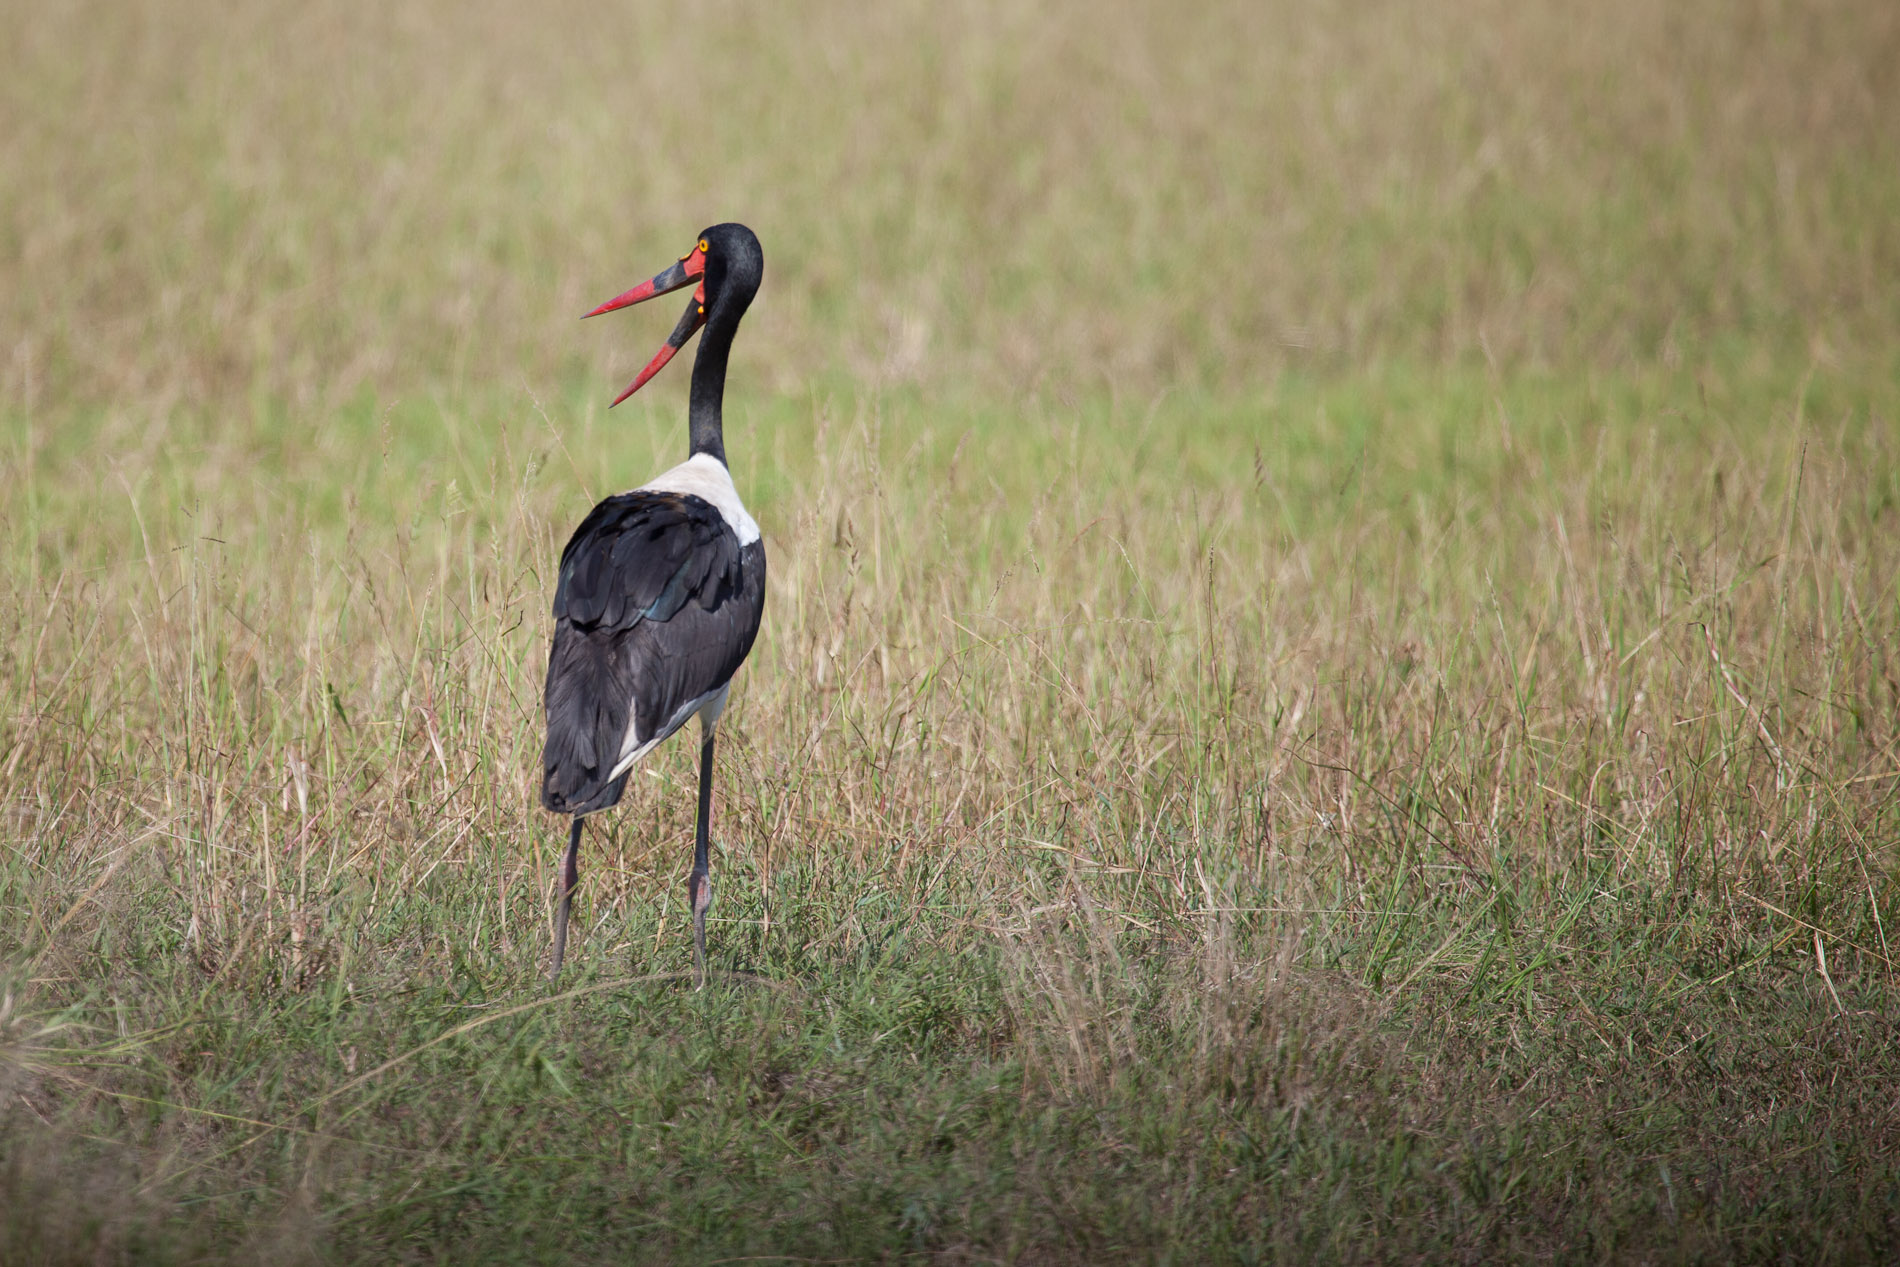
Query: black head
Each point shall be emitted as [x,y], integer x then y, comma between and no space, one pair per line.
[728,263]
[735,265]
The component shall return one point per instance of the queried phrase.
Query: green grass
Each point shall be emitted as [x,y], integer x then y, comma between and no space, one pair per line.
[1328,689]
[1075,908]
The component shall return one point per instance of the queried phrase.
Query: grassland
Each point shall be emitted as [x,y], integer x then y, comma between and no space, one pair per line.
[1330,691]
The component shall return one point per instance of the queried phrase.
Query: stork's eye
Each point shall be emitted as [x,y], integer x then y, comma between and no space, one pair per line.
[703,248]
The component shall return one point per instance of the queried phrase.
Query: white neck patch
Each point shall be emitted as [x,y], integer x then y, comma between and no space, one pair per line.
[706,477]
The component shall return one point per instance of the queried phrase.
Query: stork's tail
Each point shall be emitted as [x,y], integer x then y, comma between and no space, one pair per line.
[588,706]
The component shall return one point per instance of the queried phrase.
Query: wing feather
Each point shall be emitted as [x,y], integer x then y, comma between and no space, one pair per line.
[656,605]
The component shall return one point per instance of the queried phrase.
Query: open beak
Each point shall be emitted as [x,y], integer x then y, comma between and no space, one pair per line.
[691,266]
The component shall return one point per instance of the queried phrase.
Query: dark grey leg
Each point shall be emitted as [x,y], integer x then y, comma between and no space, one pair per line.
[699,886]
[570,879]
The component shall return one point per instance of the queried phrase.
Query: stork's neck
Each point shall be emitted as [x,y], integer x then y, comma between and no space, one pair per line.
[705,414]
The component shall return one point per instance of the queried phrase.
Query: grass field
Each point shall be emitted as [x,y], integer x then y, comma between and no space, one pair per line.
[1330,689]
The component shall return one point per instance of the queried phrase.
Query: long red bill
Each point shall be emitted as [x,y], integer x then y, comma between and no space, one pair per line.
[671,279]
[690,321]
[693,266]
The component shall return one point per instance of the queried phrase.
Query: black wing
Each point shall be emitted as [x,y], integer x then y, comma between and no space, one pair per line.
[657,604]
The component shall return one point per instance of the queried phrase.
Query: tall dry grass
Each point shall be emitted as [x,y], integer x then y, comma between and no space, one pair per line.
[1279,516]
[1468,664]
[294,434]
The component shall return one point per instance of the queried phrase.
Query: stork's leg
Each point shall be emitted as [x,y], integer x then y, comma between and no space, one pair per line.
[570,879]
[699,885]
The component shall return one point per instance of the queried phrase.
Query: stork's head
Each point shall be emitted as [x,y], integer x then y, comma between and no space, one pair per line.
[728,264]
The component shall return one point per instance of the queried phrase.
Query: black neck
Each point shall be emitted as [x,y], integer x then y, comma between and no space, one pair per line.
[734,266]
[705,415]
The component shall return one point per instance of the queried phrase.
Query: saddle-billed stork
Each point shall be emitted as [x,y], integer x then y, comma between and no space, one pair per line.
[660,589]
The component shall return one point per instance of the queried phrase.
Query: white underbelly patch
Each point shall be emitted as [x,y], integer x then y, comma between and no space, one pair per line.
[709,707]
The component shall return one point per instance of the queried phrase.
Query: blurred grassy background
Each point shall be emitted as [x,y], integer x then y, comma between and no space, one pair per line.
[211,207]
[1329,688]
